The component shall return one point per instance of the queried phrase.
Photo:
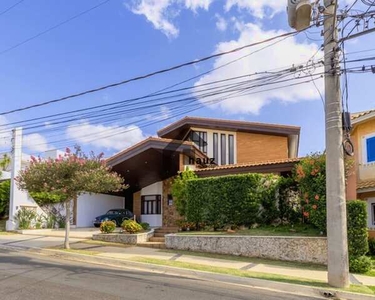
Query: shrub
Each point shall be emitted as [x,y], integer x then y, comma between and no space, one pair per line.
[289,202]
[236,199]
[107,227]
[25,217]
[358,237]
[371,246]
[310,174]
[360,264]
[145,225]
[357,228]
[179,190]
[4,197]
[131,226]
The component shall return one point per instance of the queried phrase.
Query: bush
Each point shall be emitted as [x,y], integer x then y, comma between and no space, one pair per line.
[4,197]
[371,246]
[25,217]
[145,225]
[310,174]
[289,202]
[107,227]
[360,264]
[131,226]
[236,199]
[357,228]
[358,237]
[179,190]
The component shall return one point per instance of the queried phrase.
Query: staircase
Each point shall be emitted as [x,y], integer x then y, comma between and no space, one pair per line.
[158,240]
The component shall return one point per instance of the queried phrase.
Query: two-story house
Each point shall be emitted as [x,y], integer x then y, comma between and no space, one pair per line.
[361,181]
[211,147]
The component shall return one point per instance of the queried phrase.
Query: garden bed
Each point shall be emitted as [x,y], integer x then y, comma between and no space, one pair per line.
[124,238]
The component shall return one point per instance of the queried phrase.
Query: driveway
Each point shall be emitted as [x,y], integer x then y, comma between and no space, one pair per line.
[79,233]
[33,241]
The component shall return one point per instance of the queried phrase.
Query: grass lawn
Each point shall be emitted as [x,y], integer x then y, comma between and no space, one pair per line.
[254,260]
[250,274]
[266,230]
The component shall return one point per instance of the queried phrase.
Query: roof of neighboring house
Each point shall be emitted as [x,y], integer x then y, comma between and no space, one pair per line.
[174,129]
[270,166]
[362,116]
[366,184]
[154,142]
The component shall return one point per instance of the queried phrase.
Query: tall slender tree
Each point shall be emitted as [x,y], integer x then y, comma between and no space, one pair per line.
[67,177]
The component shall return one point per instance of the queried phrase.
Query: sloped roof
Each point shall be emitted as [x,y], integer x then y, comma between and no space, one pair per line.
[246,165]
[366,184]
[359,116]
[233,125]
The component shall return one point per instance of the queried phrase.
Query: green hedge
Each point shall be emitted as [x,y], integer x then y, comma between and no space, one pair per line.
[236,200]
[357,236]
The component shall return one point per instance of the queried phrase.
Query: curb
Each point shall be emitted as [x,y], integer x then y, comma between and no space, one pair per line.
[295,289]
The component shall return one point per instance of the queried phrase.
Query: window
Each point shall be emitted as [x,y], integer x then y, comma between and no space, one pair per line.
[373,213]
[199,138]
[170,200]
[223,146]
[370,149]
[151,205]
[231,148]
[215,151]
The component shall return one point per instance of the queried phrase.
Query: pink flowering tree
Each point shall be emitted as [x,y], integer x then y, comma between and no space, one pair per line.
[63,179]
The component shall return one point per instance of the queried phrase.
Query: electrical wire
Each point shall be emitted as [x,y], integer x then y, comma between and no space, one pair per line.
[11,7]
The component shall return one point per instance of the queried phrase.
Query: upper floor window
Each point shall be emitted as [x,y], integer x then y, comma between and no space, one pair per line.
[216,147]
[223,150]
[231,148]
[370,149]
[199,138]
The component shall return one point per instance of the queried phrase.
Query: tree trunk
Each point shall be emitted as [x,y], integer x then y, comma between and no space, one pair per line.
[67,224]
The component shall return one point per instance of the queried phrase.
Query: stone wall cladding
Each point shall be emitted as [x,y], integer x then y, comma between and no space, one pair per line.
[300,249]
[131,239]
[170,214]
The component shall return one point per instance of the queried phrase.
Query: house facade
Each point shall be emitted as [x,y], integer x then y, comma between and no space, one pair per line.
[361,180]
[211,147]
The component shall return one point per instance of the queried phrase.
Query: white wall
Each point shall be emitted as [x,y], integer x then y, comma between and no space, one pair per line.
[153,189]
[91,206]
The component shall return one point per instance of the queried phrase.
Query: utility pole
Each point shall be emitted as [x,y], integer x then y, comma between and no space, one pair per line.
[15,193]
[338,264]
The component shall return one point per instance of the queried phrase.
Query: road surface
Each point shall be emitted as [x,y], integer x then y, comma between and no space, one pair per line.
[29,276]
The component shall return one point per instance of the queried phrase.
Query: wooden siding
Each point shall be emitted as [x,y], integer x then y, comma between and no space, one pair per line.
[253,147]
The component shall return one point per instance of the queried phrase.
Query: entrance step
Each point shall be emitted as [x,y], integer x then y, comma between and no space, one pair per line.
[157,239]
[157,245]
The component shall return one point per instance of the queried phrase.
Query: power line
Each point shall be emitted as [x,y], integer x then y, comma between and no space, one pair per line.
[147,75]
[53,27]
[11,7]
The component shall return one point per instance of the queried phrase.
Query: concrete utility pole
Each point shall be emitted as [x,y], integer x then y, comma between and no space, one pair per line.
[338,265]
[15,193]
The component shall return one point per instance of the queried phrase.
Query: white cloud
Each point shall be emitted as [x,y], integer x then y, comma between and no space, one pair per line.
[108,137]
[35,142]
[258,7]
[281,55]
[221,23]
[162,12]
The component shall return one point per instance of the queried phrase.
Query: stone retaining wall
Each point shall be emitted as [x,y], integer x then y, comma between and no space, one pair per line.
[124,238]
[301,249]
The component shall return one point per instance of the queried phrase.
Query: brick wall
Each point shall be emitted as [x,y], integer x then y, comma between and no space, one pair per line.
[253,147]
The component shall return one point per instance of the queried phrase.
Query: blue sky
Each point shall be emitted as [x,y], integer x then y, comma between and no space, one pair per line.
[123,39]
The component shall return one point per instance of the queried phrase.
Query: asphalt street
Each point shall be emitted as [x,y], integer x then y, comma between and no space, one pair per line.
[30,276]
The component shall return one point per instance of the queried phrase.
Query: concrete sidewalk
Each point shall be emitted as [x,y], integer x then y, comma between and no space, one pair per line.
[132,253]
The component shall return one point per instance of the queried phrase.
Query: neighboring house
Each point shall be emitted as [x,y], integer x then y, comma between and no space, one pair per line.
[361,181]
[211,147]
